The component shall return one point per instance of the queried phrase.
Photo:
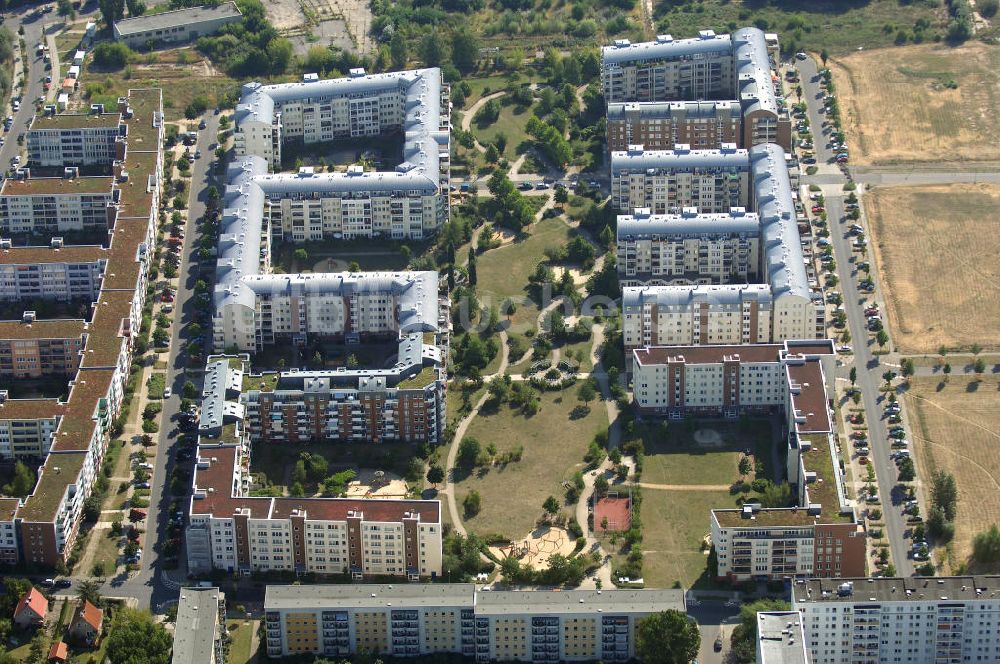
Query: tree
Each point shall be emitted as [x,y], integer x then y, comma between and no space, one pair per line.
[189,391]
[562,195]
[464,49]
[587,392]
[907,368]
[986,546]
[492,155]
[89,591]
[907,473]
[22,483]
[300,256]
[112,55]
[112,11]
[746,466]
[399,50]
[472,503]
[135,8]
[980,365]
[471,267]
[824,55]
[854,375]
[881,338]
[944,493]
[65,8]
[468,452]
[435,475]
[551,505]
[432,50]
[134,638]
[667,637]
[947,368]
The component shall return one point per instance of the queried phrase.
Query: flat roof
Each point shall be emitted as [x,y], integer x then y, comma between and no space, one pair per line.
[8,509]
[136,199]
[57,473]
[909,589]
[810,400]
[147,119]
[75,121]
[196,625]
[105,340]
[780,638]
[30,409]
[707,354]
[579,601]
[122,271]
[55,328]
[369,595]
[84,253]
[93,185]
[176,18]
[78,424]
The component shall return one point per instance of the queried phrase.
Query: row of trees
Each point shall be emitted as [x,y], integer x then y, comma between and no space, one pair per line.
[944,506]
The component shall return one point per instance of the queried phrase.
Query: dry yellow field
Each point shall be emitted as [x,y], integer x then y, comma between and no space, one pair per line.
[957,429]
[897,104]
[936,249]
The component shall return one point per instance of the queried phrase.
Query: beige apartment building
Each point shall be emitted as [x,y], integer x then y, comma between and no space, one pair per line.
[33,348]
[454,618]
[688,248]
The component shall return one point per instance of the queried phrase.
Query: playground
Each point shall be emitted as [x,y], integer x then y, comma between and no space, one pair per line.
[536,549]
[376,484]
[613,513]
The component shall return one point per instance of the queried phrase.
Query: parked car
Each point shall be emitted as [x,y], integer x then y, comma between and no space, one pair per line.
[167,392]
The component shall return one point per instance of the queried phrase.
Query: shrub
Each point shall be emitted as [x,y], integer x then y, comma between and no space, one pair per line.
[112,55]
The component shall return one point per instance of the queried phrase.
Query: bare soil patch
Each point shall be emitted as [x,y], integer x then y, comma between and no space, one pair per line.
[936,249]
[921,103]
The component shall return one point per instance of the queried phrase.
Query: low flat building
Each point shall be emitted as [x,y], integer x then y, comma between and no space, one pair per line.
[200,626]
[455,618]
[914,620]
[76,139]
[176,27]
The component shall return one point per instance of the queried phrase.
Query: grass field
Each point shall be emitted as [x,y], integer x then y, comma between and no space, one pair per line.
[945,231]
[676,458]
[674,524]
[929,120]
[554,445]
[511,124]
[956,428]
[240,650]
[814,25]
[503,272]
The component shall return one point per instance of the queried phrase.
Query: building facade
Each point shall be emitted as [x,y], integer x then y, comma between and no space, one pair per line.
[177,26]
[703,125]
[689,248]
[60,140]
[56,273]
[32,349]
[51,205]
[230,531]
[911,620]
[455,618]
[667,181]
[736,67]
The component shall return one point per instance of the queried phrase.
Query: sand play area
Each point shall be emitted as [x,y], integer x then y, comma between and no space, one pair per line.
[708,438]
[539,545]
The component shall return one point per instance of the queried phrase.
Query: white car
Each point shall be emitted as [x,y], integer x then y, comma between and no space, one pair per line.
[845,348]
[167,392]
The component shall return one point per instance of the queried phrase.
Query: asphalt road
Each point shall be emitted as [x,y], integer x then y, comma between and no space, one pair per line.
[149,586]
[34,30]
[869,368]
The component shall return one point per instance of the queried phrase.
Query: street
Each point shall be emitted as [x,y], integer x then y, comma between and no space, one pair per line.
[868,364]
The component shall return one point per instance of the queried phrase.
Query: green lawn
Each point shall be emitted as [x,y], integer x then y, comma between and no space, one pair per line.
[582,347]
[157,383]
[554,445]
[496,267]
[242,639]
[479,87]
[831,24]
[107,552]
[674,525]
[510,123]
[675,458]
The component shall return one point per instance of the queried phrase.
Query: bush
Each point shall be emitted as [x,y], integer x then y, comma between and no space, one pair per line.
[112,55]
[472,503]
[197,106]
[988,8]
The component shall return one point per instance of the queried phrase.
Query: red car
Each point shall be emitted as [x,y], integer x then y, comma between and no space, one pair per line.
[167,297]
[818,208]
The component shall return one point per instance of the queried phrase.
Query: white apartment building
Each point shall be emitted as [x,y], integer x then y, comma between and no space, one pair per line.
[264,309]
[68,139]
[734,67]
[667,181]
[786,306]
[27,426]
[406,620]
[945,620]
[231,531]
[50,205]
[688,248]
[58,272]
